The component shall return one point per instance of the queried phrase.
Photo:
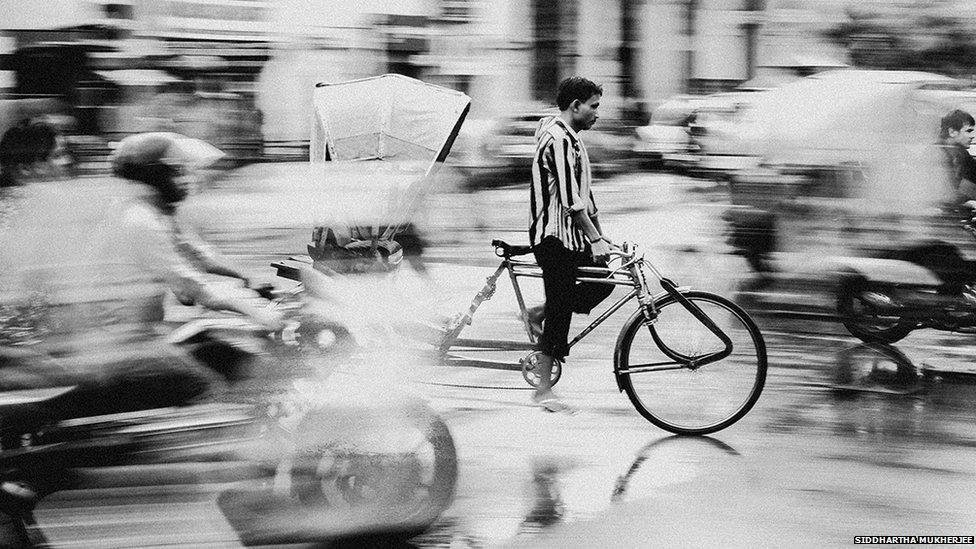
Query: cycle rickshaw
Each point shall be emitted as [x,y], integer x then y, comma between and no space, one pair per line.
[691,362]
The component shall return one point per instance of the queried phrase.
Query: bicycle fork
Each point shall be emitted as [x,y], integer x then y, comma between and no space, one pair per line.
[690,361]
[650,311]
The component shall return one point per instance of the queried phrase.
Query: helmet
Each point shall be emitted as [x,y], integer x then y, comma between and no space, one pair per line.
[139,156]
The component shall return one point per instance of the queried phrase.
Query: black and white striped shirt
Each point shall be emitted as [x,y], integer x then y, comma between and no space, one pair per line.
[560,185]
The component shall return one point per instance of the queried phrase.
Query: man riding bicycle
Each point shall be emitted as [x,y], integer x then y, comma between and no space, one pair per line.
[565,231]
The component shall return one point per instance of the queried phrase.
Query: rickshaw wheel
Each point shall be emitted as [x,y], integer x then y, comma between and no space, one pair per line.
[530,369]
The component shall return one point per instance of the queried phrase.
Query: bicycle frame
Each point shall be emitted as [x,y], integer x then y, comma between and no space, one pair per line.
[629,273]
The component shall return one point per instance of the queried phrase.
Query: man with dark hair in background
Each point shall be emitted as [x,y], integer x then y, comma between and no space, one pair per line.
[956,132]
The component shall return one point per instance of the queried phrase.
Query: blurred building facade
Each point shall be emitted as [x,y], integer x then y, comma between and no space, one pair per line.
[120,66]
[264,56]
[510,54]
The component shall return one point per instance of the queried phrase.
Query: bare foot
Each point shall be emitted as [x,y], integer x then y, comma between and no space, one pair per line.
[549,402]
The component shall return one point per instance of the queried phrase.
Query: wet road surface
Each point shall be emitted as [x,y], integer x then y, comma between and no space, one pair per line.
[846,440]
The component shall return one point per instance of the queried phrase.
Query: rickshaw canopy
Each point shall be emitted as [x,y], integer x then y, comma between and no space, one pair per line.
[379,140]
[389,117]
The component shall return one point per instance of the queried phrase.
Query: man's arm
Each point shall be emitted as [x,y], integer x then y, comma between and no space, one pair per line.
[562,159]
[590,225]
[150,242]
[966,190]
[599,246]
[206,256]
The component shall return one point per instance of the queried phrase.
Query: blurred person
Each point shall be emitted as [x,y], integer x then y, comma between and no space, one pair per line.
[956,132]
[32,154]
[163,165]
[32,151]
[565,230]
[109,306]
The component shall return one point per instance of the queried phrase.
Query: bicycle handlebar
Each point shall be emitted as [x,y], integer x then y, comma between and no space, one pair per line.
[627,250]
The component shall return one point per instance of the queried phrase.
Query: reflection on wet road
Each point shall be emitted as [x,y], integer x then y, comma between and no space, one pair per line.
[846,440]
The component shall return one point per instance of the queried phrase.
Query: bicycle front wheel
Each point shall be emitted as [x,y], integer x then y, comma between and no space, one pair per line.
[656,367]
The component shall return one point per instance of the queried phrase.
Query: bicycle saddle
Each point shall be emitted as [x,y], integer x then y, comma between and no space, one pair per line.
[504,249]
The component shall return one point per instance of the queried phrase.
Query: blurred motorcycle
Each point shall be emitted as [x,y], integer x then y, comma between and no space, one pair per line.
[325,456]
[882,300]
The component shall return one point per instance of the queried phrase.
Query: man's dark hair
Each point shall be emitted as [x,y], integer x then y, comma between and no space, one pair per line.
[573,88]
[22,145]
[955,120]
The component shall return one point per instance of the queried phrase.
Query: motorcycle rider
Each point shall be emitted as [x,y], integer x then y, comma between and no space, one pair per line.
[144,253]
[109,338]
[956,132]
[957,274]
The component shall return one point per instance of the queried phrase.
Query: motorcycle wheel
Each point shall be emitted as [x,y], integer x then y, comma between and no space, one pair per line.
[861,318]
[421,480]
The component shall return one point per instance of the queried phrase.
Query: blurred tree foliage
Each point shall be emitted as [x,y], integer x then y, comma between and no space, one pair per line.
[920,37]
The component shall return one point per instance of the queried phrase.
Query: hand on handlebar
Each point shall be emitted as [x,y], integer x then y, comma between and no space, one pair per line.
[625,250]
[600,250]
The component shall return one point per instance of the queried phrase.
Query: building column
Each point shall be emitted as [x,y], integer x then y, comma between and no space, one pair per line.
[662,65]
[599,27]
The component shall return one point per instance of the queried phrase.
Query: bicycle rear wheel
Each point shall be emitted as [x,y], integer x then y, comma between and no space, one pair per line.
[679,397]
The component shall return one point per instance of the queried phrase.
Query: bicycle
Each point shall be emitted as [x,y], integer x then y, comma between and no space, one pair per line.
[695,368]
[710,375]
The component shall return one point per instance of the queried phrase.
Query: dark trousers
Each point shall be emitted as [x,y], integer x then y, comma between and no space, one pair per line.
[945,260]
[137,377]
[564,296]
